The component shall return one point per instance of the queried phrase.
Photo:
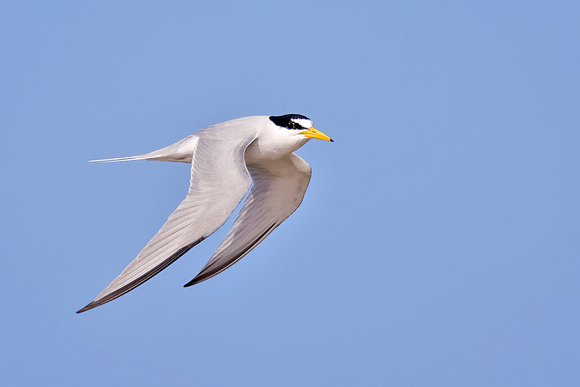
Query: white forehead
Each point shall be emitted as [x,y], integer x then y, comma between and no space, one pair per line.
[305,123]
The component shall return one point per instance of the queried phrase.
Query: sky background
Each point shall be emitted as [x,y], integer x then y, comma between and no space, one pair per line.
[438,243]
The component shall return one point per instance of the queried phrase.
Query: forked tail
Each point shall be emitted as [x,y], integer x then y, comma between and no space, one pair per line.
[181,152]
[119,159]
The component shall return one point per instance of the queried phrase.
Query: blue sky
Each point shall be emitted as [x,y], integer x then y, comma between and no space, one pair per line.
[438,243]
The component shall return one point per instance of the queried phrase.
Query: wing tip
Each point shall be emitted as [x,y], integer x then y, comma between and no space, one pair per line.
[194,281]
[89,306]
[210,270]
[204,275]
[110,296]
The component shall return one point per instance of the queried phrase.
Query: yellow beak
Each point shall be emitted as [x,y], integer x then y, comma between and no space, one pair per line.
[315,133]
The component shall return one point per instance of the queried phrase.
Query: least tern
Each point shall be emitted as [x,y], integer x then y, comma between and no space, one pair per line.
[226,159]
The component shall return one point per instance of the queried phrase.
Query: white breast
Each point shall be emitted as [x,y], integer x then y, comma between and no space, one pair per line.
[273,142]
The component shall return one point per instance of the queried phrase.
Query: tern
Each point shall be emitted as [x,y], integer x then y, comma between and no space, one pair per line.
[227,159]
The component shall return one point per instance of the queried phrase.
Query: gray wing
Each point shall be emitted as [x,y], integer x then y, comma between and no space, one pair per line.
[277,191]
[219,181]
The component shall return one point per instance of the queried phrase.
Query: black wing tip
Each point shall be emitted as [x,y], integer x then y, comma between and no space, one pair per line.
[89,306]
[202,276]
[211,271]
[194,281]
[132,285]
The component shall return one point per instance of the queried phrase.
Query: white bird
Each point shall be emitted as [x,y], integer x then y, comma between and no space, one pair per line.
[226,159]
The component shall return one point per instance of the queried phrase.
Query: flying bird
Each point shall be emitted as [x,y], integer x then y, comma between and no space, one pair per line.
[227,159]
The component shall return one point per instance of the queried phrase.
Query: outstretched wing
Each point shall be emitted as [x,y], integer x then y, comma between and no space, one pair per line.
[277,191]
[219,181]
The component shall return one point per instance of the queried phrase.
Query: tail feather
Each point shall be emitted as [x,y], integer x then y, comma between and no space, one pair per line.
[119,159]
[181,152]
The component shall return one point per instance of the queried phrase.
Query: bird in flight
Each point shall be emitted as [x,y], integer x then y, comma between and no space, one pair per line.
[226,160]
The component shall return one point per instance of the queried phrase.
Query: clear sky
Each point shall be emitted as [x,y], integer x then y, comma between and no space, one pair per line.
[439,240]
